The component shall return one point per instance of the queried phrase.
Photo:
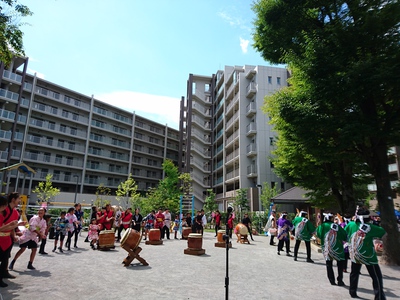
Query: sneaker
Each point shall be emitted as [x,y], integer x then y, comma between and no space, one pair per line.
[295,258]
[54,250]
[309,260]
[288,254]
[279,253]
[30,267]
[353,295]
[61,250]
[43,253]
[341,283]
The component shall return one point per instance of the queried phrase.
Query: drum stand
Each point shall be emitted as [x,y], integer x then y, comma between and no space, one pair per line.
[242,239]
[132,254]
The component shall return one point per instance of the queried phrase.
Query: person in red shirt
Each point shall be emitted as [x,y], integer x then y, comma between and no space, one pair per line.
[217,218]
[126,219]
[9,216]
[159,224]
[101,217]
[109,217]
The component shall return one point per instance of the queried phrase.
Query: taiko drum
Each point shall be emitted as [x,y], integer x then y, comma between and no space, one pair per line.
[154,234]
[106,238]
[131,239]
[186,231]
[220,236]
[195,241]
[241,229]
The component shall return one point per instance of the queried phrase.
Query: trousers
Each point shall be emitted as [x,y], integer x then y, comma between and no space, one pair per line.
[376,276]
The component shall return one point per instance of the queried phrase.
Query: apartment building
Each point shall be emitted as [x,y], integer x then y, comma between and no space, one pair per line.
[226,139]
[82,141]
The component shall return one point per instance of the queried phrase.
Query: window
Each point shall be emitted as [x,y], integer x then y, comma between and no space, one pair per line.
[138,135]
[70,160]
[46,157]
[278,81]
[75,117]
[60,143]
[58,159]
[49,141]
[51,125]
[74,131]
[54,110]
[271,141]
[269,79]
[71,146]
[65,113]
[63,128]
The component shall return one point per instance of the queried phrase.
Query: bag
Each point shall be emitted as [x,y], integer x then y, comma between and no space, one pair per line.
[272,231]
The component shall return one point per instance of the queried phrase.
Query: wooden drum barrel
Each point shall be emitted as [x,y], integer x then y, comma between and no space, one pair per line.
[106,239]
[241,229]
[195,241]
[154,234]
[131,239]
[220,236]
[186,231]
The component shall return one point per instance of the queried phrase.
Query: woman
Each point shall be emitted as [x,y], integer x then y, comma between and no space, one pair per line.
[137,220]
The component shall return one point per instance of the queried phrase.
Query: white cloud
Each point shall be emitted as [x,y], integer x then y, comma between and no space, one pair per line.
[161,109]
[244,44]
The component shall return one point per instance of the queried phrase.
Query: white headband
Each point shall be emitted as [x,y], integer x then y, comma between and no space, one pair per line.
[327,216]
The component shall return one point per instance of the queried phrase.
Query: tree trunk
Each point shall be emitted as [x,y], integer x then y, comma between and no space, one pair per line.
[379,164]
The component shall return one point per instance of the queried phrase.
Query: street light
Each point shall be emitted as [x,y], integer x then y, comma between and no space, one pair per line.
[76,187]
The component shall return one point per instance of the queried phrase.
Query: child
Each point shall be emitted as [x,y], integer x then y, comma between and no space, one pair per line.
[60,227]
[176,226]
[93,233]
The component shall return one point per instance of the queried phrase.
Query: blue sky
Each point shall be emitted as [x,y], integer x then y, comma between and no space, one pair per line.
[137,55]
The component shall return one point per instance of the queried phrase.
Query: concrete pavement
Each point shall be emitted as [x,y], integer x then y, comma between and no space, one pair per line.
[255,272]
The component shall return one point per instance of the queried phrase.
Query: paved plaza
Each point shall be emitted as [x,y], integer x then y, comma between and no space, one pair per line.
[255,272]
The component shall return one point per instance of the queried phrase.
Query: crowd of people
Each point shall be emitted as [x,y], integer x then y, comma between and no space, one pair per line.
[341,238]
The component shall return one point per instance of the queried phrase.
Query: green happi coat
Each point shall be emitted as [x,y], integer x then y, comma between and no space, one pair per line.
[303,229]
[332,238]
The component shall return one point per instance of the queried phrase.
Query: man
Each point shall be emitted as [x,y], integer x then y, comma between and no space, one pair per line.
[304,230]
[79,217]
[247,222]
[167,223]
[8,222]
[332,236]
[30,238]
[361,248]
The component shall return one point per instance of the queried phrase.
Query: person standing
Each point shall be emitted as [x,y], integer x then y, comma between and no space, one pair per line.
[137,220]
[72,224]
[159,222]
[149,223]
[217,218]
[43,243]
[362,252]
[284,227]
[109,218]
[247,222]
[78,227]
[229,221]
[304,230]
[30,238]
[332,236]
[8,222]
[167,224]
[270,227]
[126,219]
[60,228]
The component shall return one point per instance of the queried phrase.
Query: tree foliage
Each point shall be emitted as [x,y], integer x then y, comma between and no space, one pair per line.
[10,34]
[267,193]
[101,191]
[128,190]
[45,191]
[342,107]
[210,204]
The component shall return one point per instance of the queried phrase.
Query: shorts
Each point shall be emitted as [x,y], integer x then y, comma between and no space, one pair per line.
[149,226]
[29,244]
[59,234]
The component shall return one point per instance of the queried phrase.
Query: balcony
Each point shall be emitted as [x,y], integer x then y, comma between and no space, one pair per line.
[251,109]
[251,150]
[251,129]
[252,171]
[251,90]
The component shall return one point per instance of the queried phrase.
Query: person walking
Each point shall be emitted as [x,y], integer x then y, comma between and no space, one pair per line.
[362,252]
[332,236]
[284,227]
[304,229]
[72,224]
[30,238]
[165,230]
[60,230]
[270,227]
[78,227]
[247,222]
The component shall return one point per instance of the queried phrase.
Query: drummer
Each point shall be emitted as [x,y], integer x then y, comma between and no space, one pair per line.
[149,223]
[126,219]
[247,222]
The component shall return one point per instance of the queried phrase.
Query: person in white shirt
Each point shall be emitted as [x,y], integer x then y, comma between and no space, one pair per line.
[167,224]
[203,220]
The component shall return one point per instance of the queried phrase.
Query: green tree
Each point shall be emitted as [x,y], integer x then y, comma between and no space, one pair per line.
[128,190]
[241,202]
[10,34]
[101,191]
[267,193]
[210,204]
[344,59]
[45,191]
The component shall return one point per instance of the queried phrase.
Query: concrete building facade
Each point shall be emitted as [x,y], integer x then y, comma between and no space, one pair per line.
[226,138]
[82,141]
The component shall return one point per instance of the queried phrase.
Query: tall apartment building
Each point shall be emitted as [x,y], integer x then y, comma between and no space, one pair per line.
[226,139]
[82,141]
